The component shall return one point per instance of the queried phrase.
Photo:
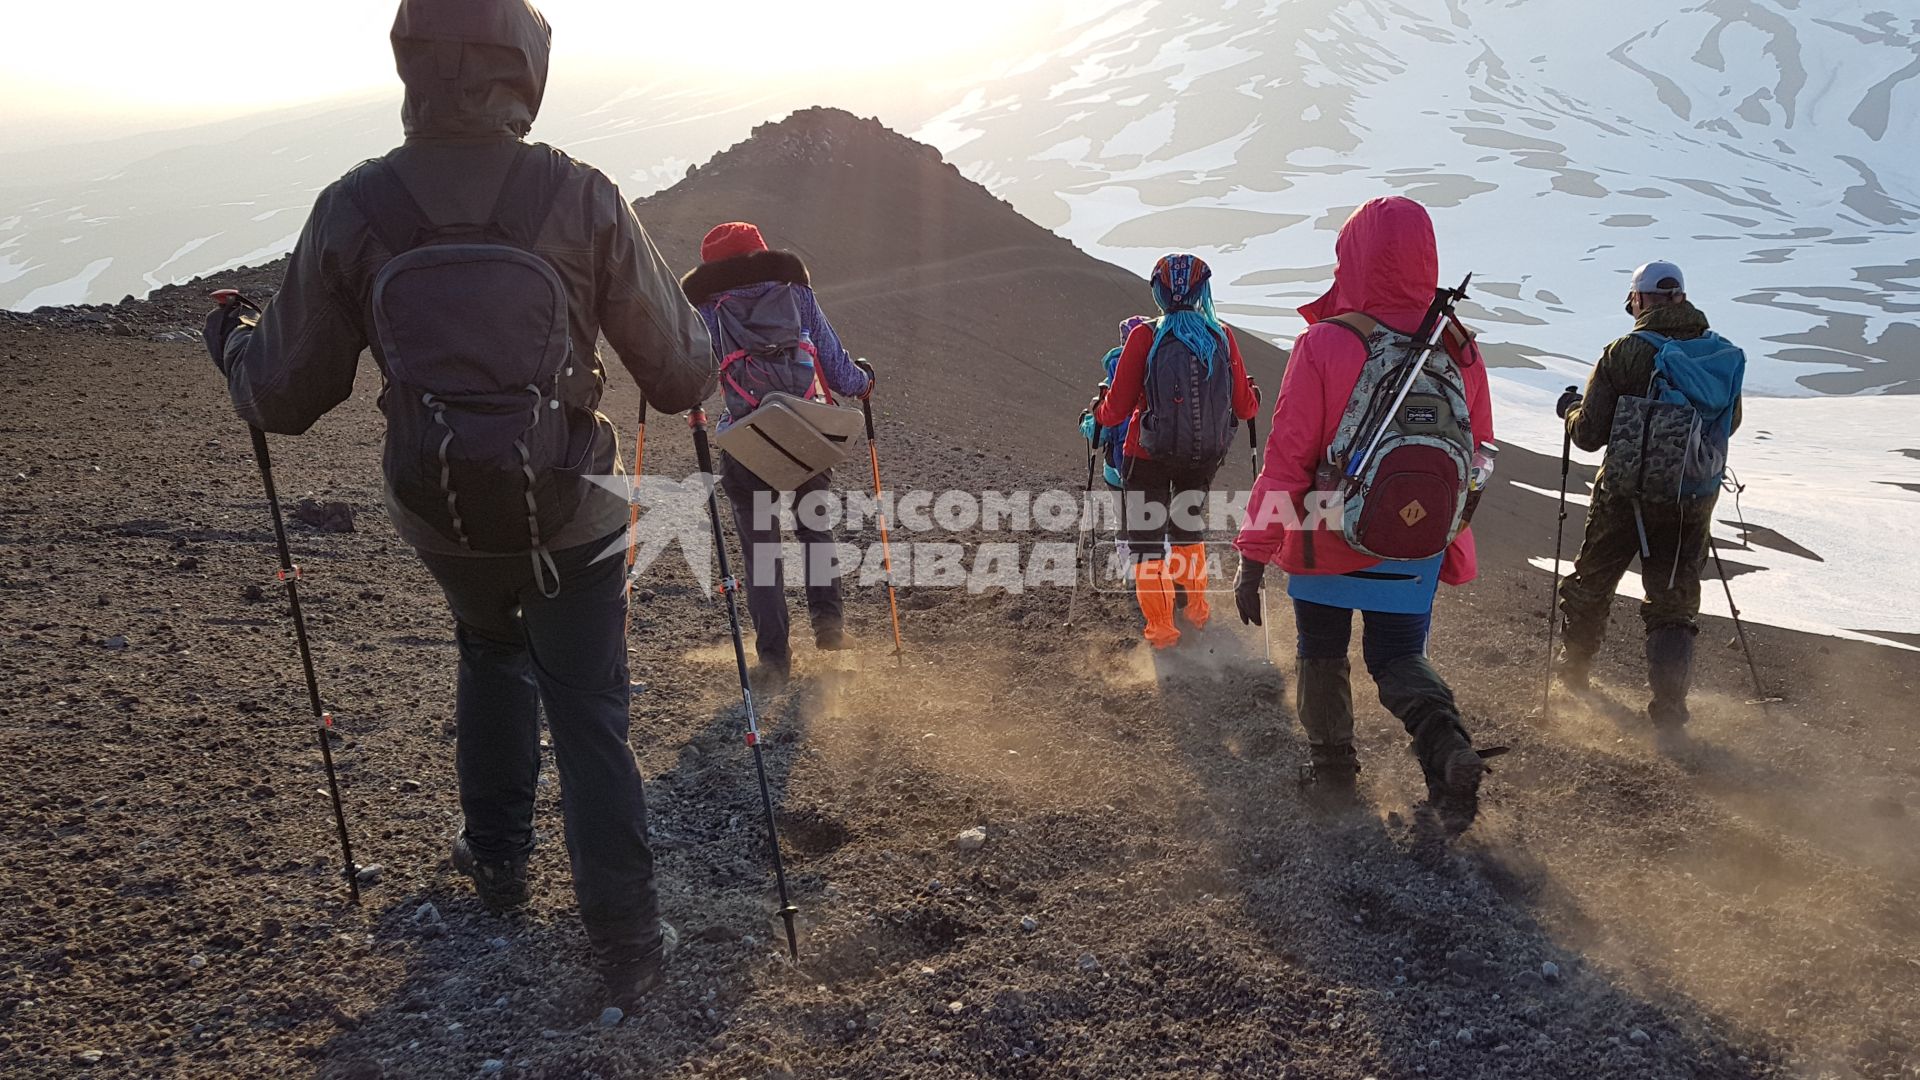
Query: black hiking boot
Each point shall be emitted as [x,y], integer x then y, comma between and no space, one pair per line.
[501,884]
[833,639]
[632,966]
[1323,699]
[1574,669]
[1669,675]
[1331,776]
[1453,770]
[772,674]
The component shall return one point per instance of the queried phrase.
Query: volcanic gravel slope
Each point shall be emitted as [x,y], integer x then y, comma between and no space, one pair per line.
[1154,897]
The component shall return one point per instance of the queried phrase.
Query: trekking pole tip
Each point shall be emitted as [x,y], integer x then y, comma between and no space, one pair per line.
[787,914]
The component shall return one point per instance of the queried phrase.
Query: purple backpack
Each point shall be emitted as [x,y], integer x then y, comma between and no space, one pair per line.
[764,349]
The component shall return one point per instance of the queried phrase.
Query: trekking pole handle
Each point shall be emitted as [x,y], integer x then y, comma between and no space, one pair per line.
[1099,398]
[866,403]
[230,297]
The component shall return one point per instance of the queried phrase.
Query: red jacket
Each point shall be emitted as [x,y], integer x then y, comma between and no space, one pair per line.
[1126,396]
[1387,267]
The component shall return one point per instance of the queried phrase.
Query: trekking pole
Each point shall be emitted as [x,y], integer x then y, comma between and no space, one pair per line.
[1739,628]
[1734,485]
[634,686]
[1253,456]
[704,456]
[633,509]
[1079,543]
[1553,597]
[290,576]
[880,513]
[1432,329]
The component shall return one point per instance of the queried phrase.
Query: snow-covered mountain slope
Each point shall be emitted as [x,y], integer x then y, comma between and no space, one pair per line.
[1766,145]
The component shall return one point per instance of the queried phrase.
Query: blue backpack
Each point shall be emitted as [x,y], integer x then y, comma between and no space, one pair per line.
[1671,445]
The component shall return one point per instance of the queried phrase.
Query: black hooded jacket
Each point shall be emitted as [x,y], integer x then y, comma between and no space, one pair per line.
[475,72]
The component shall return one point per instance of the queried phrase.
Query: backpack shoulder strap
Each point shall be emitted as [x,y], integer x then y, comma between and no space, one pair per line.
[527,194]
[1659,343]
[390,209]
[1360,324]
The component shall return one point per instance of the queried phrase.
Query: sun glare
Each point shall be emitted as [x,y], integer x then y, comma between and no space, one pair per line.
[136,55]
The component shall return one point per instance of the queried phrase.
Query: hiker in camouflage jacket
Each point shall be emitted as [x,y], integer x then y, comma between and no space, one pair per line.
[1677,534]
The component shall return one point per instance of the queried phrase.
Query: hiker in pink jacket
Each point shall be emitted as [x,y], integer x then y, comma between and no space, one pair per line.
[1388,269]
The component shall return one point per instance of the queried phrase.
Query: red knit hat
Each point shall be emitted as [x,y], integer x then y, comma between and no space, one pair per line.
[731,239]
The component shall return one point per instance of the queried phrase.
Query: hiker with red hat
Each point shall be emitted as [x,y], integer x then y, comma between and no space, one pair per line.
[1387,266]
[794,351]
[1182,390]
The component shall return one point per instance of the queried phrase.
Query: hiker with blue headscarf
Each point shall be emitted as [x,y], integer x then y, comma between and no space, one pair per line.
[1182,390]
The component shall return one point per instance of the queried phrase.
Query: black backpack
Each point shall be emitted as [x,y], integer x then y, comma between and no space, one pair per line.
[1188,419]
[474,331]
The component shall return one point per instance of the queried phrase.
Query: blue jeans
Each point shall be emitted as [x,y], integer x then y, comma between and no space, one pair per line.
[520,649]
[1386,637]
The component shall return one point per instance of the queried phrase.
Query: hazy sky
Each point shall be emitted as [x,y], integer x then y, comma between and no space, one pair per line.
[78,69]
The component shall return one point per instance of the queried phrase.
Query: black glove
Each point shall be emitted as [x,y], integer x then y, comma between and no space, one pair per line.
[221,322]
[871,378]
[1568,402]
[1246,589]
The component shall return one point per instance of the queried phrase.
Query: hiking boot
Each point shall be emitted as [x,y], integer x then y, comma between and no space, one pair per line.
[1574,669]
[1669,674]
[1331,776]
[1154,590]
[1453,769]
[632,968]
[833,639]
[1188,569]
[772,674]
[501,884]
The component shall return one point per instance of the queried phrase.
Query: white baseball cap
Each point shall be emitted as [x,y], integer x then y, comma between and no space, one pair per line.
[1659,277]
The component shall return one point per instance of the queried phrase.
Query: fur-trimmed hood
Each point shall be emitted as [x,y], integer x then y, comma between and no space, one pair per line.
[709,280]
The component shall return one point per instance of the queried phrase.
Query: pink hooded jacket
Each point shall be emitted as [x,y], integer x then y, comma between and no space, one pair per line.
[1387,267]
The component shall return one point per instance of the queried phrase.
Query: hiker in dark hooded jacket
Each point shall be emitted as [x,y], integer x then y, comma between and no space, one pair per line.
[735,262]
[543,625]
[1677,534]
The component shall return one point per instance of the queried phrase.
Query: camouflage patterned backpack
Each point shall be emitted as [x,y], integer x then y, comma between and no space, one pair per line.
[1664,448]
